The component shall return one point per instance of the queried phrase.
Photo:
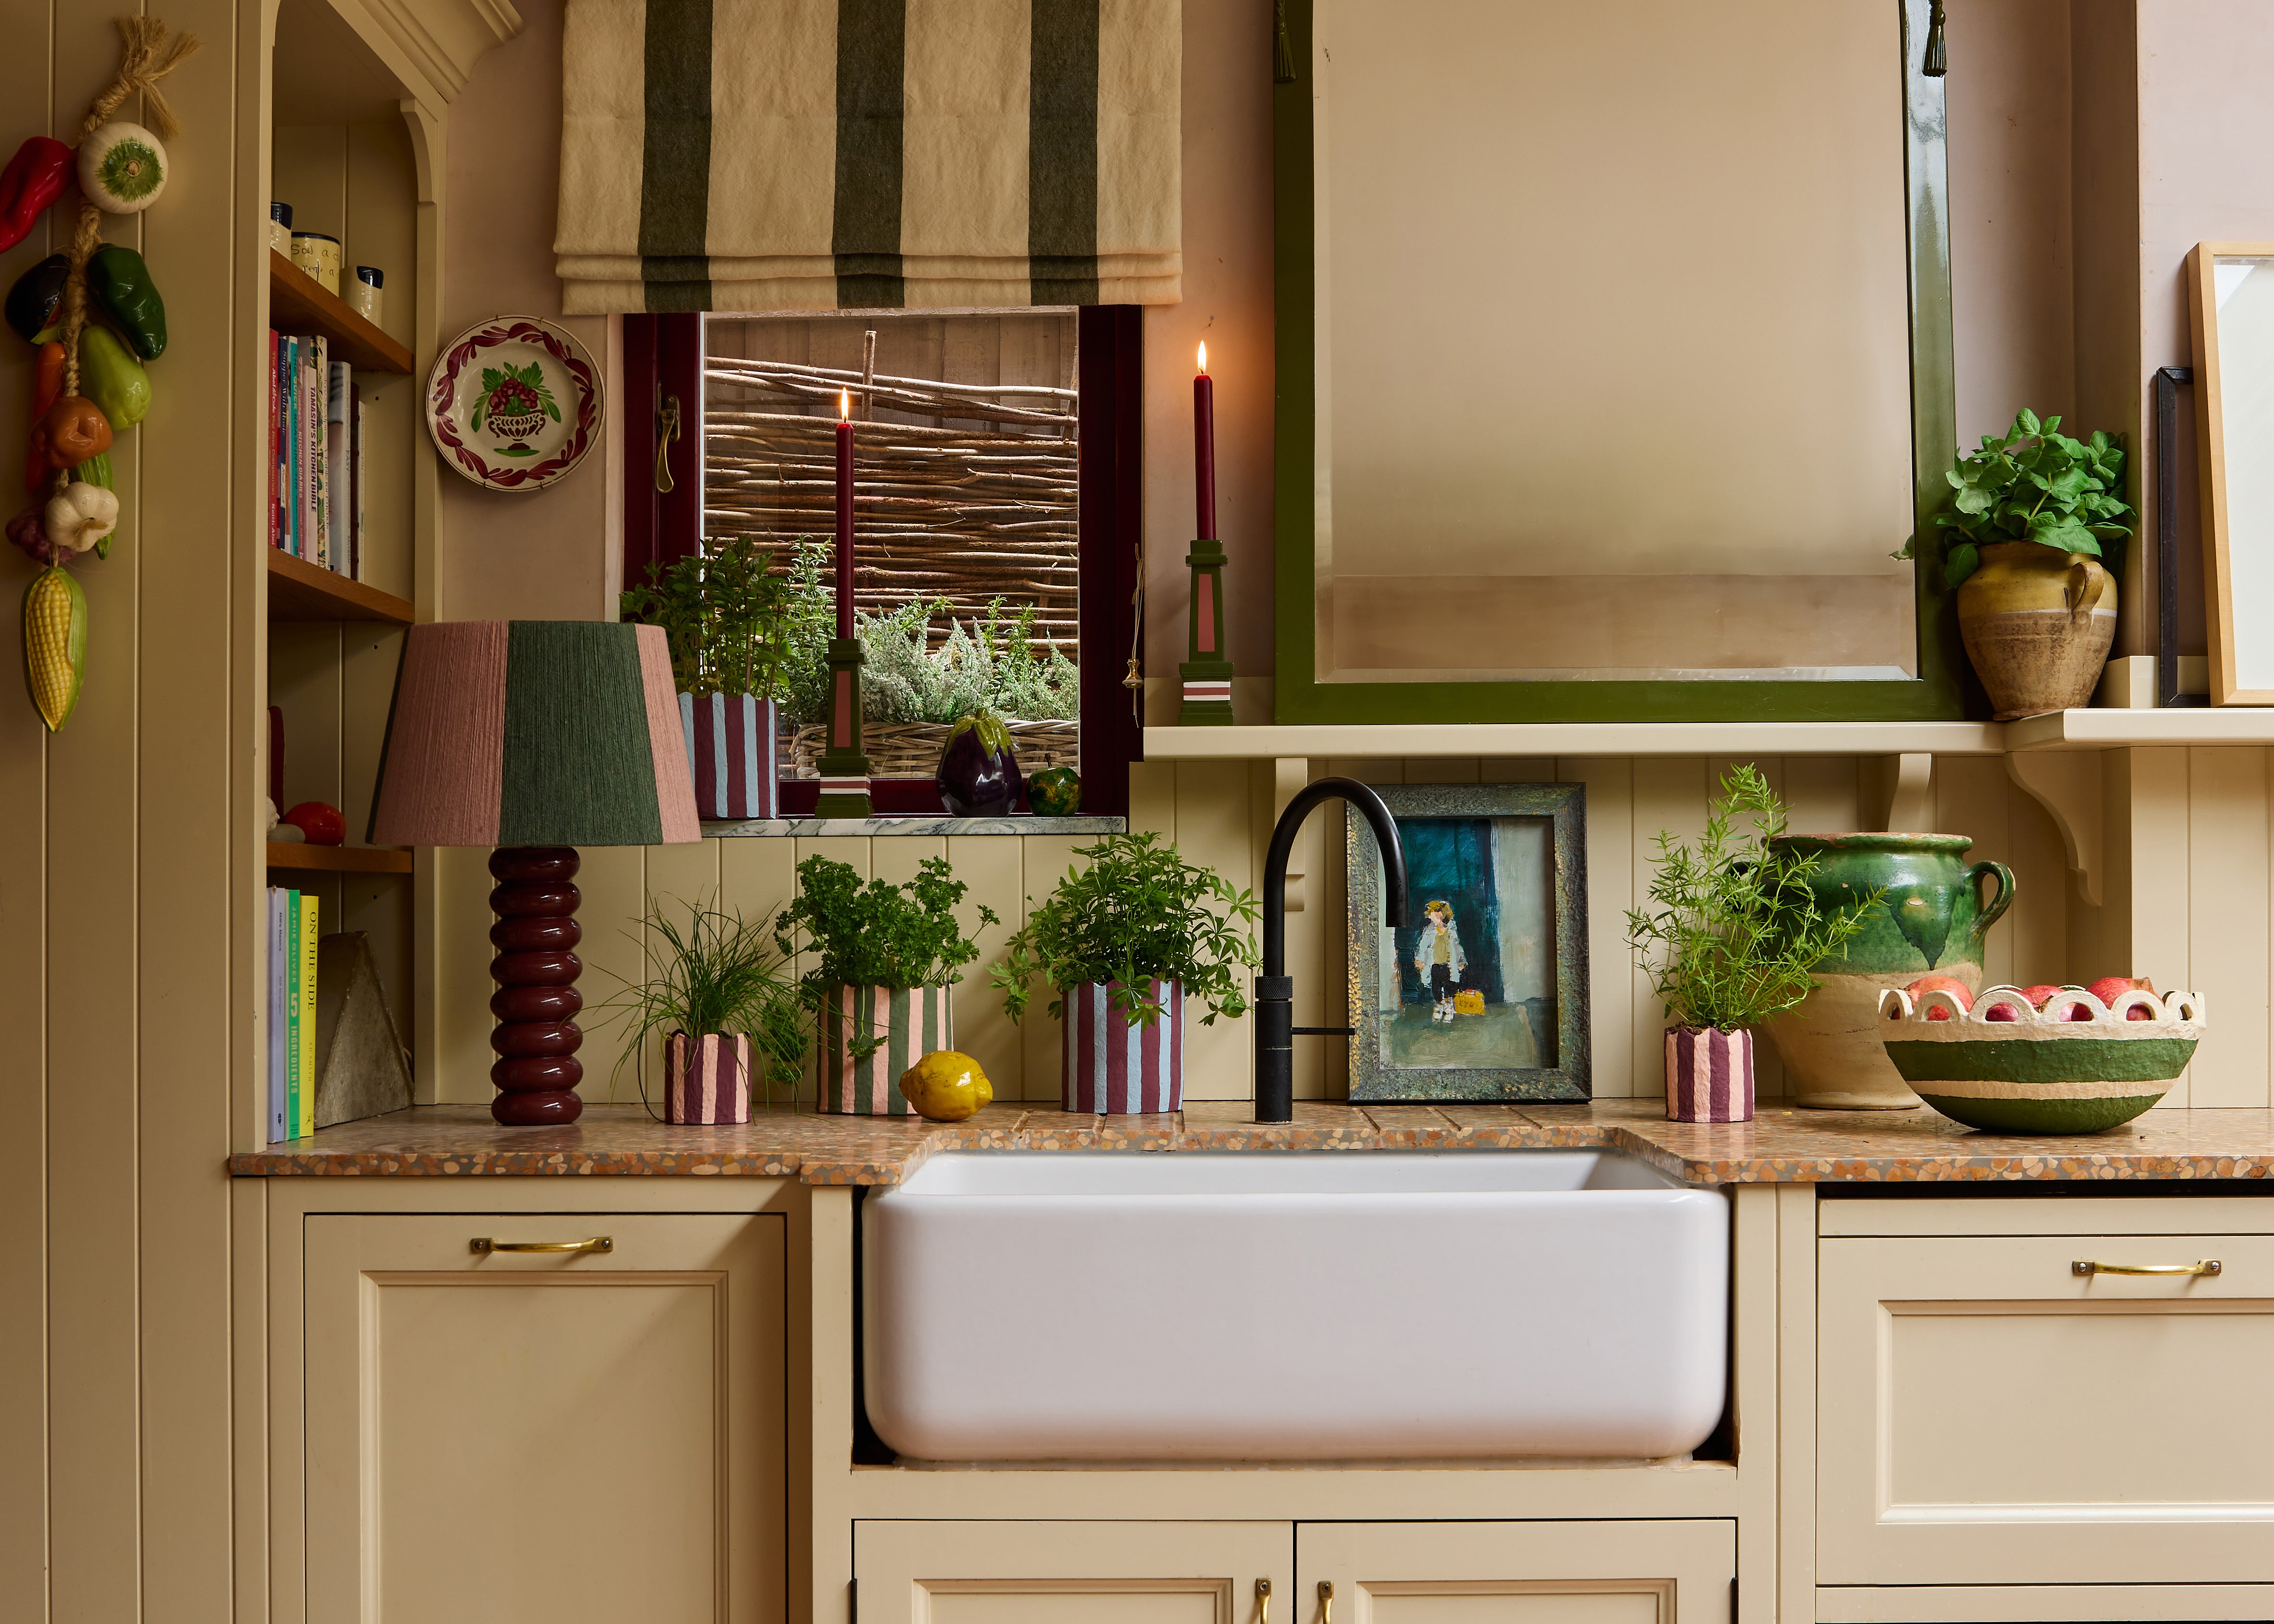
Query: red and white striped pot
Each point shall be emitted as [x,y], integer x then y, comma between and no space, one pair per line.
[731,751]
[706,1080]
[1116,1066]
[1709,1075]
[911,1023]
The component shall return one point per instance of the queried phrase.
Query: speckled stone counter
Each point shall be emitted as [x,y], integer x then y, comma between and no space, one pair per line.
[1781,1147]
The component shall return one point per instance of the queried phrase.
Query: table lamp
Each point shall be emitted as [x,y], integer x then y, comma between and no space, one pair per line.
[534,737]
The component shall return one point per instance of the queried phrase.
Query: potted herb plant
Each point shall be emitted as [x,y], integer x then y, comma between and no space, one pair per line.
[2036,607]
[1730,938]
[1124,942]
[731,622]
[720,998]
[882,957]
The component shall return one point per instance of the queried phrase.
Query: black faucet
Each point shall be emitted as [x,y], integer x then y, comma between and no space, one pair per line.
[1275,989]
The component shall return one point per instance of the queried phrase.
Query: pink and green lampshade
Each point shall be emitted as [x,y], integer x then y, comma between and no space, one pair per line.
[534,738]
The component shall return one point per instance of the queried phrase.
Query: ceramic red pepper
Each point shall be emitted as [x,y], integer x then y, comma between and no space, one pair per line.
[34,178]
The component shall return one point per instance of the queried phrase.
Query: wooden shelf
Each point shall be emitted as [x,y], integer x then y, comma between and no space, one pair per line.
[338,859]
[299,590]
[2114,730]
[297,303]
[1325,741]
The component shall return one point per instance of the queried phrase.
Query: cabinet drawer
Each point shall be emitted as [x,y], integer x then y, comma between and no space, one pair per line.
[1049,1573]
[1988,1414]
[1516,1573]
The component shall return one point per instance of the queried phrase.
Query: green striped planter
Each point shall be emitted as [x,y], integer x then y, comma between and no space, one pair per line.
[912,1021]
[2034,1073]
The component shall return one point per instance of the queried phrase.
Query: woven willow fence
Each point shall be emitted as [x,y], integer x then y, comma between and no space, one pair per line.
[963,491]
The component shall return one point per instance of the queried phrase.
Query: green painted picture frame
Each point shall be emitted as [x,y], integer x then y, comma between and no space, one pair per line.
[1945,689]
[1509,863]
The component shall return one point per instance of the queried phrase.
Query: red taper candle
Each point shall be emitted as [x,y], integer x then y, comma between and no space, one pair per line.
[1204,450]
[844,513]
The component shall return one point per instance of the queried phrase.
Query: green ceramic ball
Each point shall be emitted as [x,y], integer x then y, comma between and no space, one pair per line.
[1055,792]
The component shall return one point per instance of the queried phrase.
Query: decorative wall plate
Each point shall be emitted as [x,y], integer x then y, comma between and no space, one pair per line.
[514,403]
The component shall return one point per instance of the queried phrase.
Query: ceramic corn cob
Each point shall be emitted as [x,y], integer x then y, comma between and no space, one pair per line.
[55,644]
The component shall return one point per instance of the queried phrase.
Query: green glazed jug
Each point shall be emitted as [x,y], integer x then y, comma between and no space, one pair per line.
[1931,921]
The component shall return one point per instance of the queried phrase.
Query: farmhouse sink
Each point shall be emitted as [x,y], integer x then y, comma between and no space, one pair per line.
[1293,1305]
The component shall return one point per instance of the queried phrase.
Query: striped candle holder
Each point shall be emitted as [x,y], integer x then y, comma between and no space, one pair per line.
[1709,1075]
[1115,1066]
[731,751]
[706,1079]
[904,1023]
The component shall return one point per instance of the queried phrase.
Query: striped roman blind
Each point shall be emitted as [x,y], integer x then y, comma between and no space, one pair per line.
[814,154]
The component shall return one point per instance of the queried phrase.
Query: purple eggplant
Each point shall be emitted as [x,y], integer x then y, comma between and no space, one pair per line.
[978,773]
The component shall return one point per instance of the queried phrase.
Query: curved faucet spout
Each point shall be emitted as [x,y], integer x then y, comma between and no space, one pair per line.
[1275,989]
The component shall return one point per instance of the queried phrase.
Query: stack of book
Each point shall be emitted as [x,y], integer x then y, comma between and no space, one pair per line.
[291,1014]
[316,437]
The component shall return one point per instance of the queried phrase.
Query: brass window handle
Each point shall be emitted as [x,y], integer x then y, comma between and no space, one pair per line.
[1263,1601]
[482,1243]
[1326,1601]
[2082,1266]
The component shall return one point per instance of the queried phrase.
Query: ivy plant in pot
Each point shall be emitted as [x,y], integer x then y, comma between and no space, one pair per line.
[2036,606]
[725,1008]
[882,957]
[1125,943]
[731,621]
[1730,939]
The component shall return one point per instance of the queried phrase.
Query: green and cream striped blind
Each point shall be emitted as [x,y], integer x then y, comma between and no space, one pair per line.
[814,154]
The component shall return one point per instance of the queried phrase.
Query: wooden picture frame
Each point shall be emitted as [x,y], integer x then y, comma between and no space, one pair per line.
[2238,514]
[1518,886]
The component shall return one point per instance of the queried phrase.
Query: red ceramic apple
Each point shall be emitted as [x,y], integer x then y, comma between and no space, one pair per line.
[1925,984]
[319,821]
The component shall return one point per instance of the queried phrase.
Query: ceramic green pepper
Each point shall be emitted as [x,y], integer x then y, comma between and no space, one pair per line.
[110,377]
[120,279]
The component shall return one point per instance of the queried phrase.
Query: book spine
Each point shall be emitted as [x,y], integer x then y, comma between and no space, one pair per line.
[319,496]
[354,459]
[291,947]
[292,484]
[279,917]
[275,439]
[307,1016]
[339,470]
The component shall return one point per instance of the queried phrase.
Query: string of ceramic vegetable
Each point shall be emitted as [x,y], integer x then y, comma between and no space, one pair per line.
[88,381]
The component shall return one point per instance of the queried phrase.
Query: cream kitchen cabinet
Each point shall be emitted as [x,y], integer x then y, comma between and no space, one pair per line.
[1099,1573]
[590,1433]
[1515,1573]
[2003,1408]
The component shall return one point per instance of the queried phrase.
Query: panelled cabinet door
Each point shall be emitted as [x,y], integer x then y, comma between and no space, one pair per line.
[1988,1414]
[504,1437]
[1515,1573]
[1057,1573]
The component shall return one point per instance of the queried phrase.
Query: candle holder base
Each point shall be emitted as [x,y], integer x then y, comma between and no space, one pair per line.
[1205,675]
[844,766]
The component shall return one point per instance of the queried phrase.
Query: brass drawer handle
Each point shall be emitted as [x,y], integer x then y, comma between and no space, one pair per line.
[1263,1600]
[599,1243]
[2208,1266]
[1326,1601]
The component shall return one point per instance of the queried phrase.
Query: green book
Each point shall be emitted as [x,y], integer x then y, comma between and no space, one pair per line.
[294,901]
[305,1015]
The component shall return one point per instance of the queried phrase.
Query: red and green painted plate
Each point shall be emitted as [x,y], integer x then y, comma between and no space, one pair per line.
[514,403]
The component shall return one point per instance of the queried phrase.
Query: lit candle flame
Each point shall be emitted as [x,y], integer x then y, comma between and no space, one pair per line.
[1204,356]
[844,405]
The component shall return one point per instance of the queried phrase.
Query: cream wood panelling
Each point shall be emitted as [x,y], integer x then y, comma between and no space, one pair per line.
[1796,1396]
[1516,1573]
[2179,1215]
[2104,1390]
[2040,1603]
[1042,1573]
[1754,1416]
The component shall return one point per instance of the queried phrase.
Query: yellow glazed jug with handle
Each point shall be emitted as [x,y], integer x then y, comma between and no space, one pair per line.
[2038,624]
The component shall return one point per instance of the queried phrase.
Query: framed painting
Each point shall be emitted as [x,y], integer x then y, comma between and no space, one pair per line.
[1482,994]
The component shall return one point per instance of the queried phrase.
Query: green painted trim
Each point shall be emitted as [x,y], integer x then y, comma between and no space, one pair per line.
[2050,1061]
[2044,1116]
[1944,690]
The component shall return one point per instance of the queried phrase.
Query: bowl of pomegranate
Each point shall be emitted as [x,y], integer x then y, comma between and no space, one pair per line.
[2040,1059]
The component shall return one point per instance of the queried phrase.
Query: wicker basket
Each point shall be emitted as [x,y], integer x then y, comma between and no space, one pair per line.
[911,749]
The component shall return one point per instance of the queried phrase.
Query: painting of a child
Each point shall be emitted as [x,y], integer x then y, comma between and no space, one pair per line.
[1437,956]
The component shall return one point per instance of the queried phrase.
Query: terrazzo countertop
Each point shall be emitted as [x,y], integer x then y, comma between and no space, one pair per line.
[1780,1147]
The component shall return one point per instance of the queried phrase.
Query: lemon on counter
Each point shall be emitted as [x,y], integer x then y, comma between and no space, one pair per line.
[946,1087]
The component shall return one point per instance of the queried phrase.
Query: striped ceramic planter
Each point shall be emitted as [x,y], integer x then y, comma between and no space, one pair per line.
[1116,1066]
[911,1021]
[1709,1075]
[706,1080]
[730,750]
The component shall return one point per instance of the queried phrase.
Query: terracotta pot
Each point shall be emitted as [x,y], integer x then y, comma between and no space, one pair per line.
[2037,625]
[1931,921]
[1709,1075]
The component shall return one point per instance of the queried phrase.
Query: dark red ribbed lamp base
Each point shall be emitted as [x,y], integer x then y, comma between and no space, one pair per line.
[536,970]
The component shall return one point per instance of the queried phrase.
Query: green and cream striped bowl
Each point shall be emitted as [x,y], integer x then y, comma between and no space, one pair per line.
[2037,1073]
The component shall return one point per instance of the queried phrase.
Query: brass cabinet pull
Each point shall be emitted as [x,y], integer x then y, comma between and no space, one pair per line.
[599,1243]
[2084,1266]
[1326,1601]
[1263,1601]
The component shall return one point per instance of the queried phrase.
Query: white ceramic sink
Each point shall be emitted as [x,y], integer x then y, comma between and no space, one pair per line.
[1293,1305]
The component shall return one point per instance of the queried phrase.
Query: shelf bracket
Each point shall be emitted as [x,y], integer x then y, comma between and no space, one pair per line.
[1289,775]
[1909,777]
[2067,785]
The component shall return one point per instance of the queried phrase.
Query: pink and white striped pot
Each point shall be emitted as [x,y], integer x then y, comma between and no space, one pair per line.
[1709,1075]
[706,1079]
[911,1023]
[1114,1065]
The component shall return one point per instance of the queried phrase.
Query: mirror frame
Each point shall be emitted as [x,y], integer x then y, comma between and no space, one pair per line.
[1941,691]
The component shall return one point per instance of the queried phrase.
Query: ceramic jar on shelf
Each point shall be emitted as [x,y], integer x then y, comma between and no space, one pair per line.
[2037,623]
